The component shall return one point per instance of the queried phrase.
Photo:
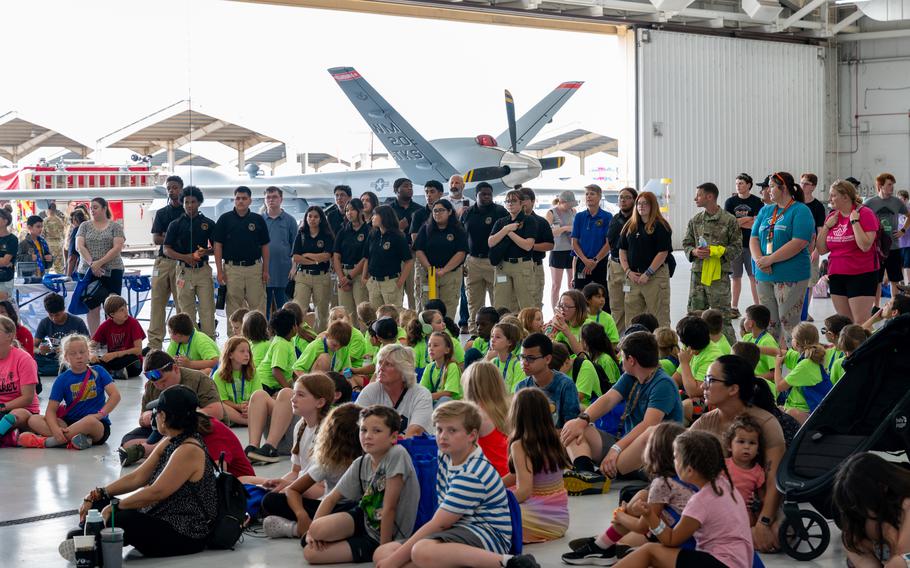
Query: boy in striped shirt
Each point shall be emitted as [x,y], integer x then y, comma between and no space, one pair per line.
[472,526]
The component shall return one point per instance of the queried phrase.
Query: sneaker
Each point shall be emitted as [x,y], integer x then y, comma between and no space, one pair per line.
[279,527]
[580,542]
[130,455]
[265,454]
[463,330]
[579,482]
[80,442]
[31,440]
[591,554]
[67,550]
[623,550]
[522,561]
[734,313]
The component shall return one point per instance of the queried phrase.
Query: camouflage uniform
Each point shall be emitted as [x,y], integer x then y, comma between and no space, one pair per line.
[719,229]
[54,233]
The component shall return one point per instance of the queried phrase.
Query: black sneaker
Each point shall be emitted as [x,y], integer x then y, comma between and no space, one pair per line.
[580,542]
[522,561]
[591,554]
[265,454]
[580,482]
[129,456]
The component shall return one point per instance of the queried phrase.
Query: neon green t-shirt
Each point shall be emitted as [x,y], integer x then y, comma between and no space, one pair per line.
[837,370]
[561,336]
[803,373]
[723,344]
[299,345]
[587,383]
[280,354]
[236,391]
[258,351]
[669,366]
[357,347]
[766,363]
[703,360]
[434,380]
[610,367]
[422,356]
[608,323]
[833,363]
[481,345]
[402,334]
[511,371]
[199,347]
[340,358]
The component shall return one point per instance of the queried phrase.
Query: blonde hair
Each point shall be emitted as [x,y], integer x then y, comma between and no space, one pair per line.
[406,317]
[70,339]
[482,384]
[807,340]
[345,316]
[402,358]
[387,310]
[467,412]
[526,317]
[667,341]
[846,189]
[513,333]
[366,312]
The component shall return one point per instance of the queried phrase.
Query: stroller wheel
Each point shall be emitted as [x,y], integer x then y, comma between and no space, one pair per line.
[804,536]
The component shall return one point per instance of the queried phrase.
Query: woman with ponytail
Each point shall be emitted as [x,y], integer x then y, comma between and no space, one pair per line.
[780,251]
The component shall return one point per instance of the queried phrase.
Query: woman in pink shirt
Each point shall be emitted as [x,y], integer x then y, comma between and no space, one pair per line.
[18,377]
[849,235]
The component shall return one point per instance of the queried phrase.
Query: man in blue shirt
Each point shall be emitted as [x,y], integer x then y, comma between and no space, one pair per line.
[590,244]
[651,397]
[282,232]
[536,352]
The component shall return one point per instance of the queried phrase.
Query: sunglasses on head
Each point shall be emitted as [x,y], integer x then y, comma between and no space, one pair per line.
[155,374]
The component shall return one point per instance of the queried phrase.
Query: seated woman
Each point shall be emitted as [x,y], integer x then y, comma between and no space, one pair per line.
[190,347]
[23,335]
[18,377]
[176,502]
[395,386]
[122,335]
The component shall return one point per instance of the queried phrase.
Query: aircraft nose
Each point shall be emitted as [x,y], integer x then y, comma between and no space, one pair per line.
[522,168]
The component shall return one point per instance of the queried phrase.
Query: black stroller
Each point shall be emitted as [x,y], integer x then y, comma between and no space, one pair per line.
[868,410]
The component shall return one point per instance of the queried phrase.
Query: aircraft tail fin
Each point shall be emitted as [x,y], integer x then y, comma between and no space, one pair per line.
[419,160]
[542,113]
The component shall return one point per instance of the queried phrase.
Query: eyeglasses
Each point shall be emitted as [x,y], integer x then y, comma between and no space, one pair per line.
[565,306]
[531,358]
[510,201]
[440,210]
[711,379]
[824,330]
[156,374]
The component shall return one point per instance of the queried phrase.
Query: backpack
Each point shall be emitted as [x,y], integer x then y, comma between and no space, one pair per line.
[225,530]
[882,244]
[601,374]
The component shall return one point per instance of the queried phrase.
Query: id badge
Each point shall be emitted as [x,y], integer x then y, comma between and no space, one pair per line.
[626,288]
[154,273]
[181,282]
[502,279]
[426,288]
[769,247]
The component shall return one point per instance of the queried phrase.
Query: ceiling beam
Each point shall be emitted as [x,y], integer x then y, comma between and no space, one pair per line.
[199,133]
[34,142]
[861,36]
[842,25]
[561,146]
[802,13]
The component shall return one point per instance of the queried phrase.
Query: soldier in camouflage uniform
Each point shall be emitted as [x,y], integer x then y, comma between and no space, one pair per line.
[717,228]
[54,233]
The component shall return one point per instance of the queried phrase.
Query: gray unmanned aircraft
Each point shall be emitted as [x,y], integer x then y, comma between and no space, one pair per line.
[477,159]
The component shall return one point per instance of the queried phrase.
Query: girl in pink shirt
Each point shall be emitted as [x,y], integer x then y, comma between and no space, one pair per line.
[746,448]
[18,378]
[716,515]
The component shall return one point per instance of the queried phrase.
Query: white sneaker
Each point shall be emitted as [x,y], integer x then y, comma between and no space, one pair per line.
[279,527]
[67,550]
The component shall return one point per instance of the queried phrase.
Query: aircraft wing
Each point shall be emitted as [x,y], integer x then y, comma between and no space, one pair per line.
[419,160]
[301,188]
[542,113]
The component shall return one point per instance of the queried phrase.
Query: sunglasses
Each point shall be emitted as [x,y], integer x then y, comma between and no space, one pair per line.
[156,374]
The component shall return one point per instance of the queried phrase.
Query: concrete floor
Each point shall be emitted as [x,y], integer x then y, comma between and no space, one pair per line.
[45,482]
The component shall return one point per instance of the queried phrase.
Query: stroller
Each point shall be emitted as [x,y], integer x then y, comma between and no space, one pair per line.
[867,410]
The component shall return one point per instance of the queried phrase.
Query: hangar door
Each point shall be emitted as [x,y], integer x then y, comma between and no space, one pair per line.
[712,107]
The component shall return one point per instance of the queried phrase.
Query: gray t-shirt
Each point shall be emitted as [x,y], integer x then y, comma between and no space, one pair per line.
[415,407]
[887,211]
[319,473]
[366,486]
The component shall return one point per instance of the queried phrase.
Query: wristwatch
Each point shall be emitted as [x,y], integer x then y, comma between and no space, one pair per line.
[584,416]
[854,221]
[765,521]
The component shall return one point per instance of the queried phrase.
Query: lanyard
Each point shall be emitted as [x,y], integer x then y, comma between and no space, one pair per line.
[435,385]
[39,257]
[834,357]
[755,340]
[325,346]
[774,218]
[505,369]
[188,343]
[242,390]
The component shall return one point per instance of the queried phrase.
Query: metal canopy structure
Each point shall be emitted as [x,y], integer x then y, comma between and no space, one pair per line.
[20,137]
[182,158]
[316,160]
[579,143]
[272,154]
[178,125]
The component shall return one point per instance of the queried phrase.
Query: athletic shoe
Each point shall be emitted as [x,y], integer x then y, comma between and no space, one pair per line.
[80,442]
[579,482]
[31,440]
[67,550]
[522,561]
[265,454]
[130,455]
[279,527]
[734,314]
[591,554]
[580,542]
[623,550]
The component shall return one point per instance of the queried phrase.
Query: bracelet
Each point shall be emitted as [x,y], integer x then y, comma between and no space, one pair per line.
[103,492]
[649,272]
[659,528]
[617,448]
[102,413]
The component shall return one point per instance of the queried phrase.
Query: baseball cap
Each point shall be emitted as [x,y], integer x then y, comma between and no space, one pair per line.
[568,197]
[178,400]
[854,181]
[384,328]
[765,182]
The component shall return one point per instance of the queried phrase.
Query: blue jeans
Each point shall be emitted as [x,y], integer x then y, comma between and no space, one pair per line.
[463,308]
[276,294]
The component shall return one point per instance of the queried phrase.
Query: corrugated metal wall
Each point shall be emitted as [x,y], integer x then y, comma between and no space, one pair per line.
[721,106]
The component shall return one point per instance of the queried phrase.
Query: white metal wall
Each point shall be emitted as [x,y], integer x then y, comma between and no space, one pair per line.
[712,107]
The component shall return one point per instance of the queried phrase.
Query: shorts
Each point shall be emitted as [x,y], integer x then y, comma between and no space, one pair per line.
[853,285]
[892,267]
[561,259]
[104,437]
[744,260]
[362,544]
[113,283]
[7,287]
[139,433]
[905,257]
[606,441]
[458,535]
[697,559]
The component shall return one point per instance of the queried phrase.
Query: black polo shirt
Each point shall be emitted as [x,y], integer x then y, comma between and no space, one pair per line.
[335,217]
[405,213]
[186,235]
[163,219]
[641,248]
[544,234]
[441,245]
[478,223]
[321,243]
[527,229]
[420,217]
[351,244]
[241,238]
[386,253]
[613,230]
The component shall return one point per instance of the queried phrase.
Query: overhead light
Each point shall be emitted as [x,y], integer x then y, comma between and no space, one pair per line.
[844,2]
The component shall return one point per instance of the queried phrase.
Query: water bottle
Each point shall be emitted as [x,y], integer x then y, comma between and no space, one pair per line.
[7,421]
[94,522]
[348,373]
[702,242]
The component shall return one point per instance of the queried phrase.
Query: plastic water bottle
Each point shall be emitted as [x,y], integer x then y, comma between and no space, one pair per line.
[702,242]
[94,522]
[7,421]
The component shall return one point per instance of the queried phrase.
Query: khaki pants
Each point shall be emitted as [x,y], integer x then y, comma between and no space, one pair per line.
[653,297]
[615,281]
[448,289]
[193,283]
[245,288]
[317,287]
[409,290]
[514,286]
[350,299]
[480,280]
[538,282]
[164,285]
[385,292]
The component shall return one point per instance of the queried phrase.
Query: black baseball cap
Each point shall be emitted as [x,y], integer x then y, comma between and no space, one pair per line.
[765,182]
[178,400]
[384,328]
[854,181]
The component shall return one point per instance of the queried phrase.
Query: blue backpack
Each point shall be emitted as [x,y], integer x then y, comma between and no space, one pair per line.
[515,514]
[424,455]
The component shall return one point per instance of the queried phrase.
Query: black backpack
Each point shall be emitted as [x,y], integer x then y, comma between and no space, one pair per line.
[226,528]
[601,374]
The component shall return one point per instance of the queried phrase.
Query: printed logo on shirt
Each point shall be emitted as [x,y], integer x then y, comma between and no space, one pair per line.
[90,390]
[205,226]
[252,226]
[9,385]
[450,237]
[360,237]
[742,211]
[599,223]
[488,220]
[320,243]
[117,340]
[386,245]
